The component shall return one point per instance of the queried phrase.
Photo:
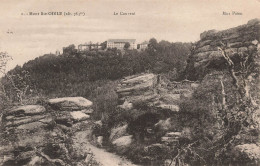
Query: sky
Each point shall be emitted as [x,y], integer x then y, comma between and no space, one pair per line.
[26,37]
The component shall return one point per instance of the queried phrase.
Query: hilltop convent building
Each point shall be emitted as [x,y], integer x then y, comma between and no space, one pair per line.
[88,47]
[144,45]
[120,43]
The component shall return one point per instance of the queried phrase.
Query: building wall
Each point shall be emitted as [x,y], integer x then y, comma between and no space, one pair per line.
[143,46]
[83,48]
[88,47]
[120,45]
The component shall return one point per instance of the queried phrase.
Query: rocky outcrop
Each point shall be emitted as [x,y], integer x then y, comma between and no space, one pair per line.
[79,116]
[209,63]
[25,129]
[117,132]
[29,116]
[137,88]
[123,141]
[146,92]
[206,55]
[154,95]
[38,135]
[70,103]
[153,91]
[248,153]
[242,45]
[71,110]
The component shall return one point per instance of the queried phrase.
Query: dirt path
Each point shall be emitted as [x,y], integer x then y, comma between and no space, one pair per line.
[100,155]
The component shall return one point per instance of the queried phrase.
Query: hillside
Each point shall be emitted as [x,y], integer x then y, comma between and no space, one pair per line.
[91,74]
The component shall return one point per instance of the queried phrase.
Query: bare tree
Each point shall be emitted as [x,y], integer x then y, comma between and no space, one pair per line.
[18,82]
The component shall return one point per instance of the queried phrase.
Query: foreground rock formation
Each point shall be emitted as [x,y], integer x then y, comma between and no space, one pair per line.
[149,98]
[43,135]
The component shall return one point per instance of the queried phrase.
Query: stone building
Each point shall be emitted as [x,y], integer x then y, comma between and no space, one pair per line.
[88,47]
[144,45]
[120,43]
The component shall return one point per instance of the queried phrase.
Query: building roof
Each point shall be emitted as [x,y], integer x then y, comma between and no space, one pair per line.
[121,40]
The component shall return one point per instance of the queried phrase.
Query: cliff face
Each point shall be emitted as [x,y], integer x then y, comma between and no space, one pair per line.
[231,58]
[242,42]
[205,56]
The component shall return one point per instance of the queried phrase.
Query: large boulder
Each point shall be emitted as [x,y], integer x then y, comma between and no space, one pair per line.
[71,110]
[70,103]
[32,125]
[118,132]
[251,151]
[246,154]
[16,121]
[208,35]
[27,129]
[79,116]
[253,21]
[164,125]
[26,110]
[153,91]
[123,141]
[33,135]
[27,117]
[137,88]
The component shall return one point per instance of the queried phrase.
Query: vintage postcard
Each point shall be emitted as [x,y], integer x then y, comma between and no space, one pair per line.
[129,82]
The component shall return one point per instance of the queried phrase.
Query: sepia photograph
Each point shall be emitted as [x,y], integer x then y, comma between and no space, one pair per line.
[129,83]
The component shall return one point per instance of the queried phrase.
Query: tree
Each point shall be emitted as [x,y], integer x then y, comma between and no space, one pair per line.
[127,45]
[18,83]
[70,50]
[4,99]
[152,46]
[4,58]
[162,45]
[104,45]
